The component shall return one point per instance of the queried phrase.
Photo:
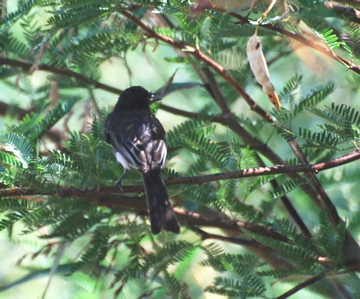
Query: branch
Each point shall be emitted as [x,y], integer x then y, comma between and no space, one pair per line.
[201,179]
[266,253]
[176,111]
[349,64]
[302,285]
[227,118]
[355,3]
[344,10]
[287,204]
[314,190]
[252,172]
[297,37]
[60,71]
[221,102]
[202,57]
[208,218]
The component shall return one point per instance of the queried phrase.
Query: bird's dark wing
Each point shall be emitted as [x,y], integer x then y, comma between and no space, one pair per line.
[139,139]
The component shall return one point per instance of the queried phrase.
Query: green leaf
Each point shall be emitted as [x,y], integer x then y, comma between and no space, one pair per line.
[21,147]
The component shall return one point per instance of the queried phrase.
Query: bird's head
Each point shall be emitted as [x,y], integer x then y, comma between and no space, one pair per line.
[136,98]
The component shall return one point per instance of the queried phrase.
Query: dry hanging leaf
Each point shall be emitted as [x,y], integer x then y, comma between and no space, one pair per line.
[259,68]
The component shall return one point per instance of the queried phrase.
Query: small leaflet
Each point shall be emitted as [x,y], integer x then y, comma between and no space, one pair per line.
[259,68]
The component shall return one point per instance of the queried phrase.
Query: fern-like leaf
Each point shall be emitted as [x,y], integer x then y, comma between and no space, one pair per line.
[316,96]
[21,147]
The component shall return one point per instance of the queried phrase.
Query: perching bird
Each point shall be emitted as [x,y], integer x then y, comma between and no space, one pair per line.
[138,141]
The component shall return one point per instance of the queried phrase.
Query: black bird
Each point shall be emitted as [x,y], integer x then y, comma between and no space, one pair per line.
[138,141]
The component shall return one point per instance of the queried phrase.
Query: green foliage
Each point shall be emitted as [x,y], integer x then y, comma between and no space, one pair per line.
[331,39]
[60,64]
[344,122]
[246,282]
[330,240]
[315,97]
[192,135]
[21,147]
[354,41]
[35,126]
[287,187]
[12,218]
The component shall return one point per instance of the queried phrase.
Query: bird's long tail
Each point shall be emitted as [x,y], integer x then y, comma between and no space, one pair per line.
[161,212]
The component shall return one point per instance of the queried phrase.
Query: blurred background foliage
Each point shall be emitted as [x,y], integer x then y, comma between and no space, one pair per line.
[66,232]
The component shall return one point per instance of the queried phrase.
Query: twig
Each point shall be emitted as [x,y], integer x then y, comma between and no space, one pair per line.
[205,235]
[355,3]
[266,253]
[226,118]
[201,179]
[209,218]
[264,15]
[302,285]
[287,204]
[177,111]
[318,194]
[60,71]
[202,57]
[301,39]
[344,10]
[220,100]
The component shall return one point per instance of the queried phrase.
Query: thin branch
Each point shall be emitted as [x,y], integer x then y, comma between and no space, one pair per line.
[213,218]
[208,218]
[343,10]
[221,101]
[287,204]
[317,194]
[201,179]
[176,111]
[302,285]
[215,91]
[227,118]
[244,242]
[202,57]
[355,3]
[328,205]
[299,38]
[60,71]
[266,253]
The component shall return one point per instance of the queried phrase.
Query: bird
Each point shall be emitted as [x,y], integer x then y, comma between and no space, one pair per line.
[138,141]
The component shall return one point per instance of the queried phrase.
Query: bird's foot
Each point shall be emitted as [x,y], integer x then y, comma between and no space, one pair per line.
[118,184]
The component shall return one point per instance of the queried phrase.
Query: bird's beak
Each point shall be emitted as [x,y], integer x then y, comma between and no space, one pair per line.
[155,97]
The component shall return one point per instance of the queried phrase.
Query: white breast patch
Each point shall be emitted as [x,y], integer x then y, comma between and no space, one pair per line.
[121,160]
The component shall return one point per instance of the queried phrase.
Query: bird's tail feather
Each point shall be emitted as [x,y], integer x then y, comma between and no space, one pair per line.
[161,212]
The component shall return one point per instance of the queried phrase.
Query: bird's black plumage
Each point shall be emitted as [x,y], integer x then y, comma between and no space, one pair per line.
[138,140]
